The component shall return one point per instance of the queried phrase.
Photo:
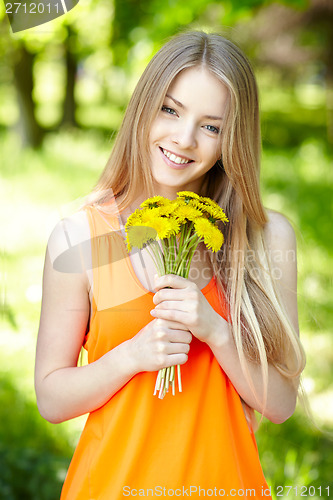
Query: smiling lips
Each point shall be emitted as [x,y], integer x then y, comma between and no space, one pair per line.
[179,160]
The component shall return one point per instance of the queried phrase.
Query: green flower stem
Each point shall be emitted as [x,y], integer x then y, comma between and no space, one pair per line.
[190,256]
[179,379]
[173,259]
[159,256]
[166,380]
[184,232]
[174,246]
[172,373]
[168,254]
[158,381]
[153,253]
[183,246]
[167,375]
[186,235]
[173,251]
[162,380]
[182,254]
[164,252]
[184,264]
[161,252]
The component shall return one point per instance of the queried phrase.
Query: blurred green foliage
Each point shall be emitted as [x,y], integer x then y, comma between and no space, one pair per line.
[33,459]
[82,69]
[292,455]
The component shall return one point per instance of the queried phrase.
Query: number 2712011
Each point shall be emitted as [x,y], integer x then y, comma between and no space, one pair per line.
[32,8]
[302,491]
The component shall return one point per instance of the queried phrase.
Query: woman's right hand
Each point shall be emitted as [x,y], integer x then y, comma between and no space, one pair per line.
[159,344]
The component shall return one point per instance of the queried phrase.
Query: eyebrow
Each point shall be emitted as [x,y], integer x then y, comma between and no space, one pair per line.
[209,117]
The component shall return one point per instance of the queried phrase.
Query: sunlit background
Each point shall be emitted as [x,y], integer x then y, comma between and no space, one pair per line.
[63,89]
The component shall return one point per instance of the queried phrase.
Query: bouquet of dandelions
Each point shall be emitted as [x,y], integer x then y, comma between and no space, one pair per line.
[171,230]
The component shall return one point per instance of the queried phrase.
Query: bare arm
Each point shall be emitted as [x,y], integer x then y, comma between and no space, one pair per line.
[281,392]
[63,389]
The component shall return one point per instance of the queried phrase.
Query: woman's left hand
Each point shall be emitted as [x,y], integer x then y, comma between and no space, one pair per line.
[184,302]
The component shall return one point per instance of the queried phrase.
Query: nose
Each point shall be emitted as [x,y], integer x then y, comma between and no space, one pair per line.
[185,135]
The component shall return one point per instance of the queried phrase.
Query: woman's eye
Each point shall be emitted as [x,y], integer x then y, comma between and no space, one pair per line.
[213,129]
[168,110]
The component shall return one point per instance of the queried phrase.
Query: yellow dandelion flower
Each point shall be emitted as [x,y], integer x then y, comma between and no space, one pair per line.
[216,239]
[149,213]
[199,206]
[134,218]
[158,226]
[166,210]
[209,233]
[138,236]
[185,213]
[202,226]
[174,226]
[164,226]
[207,200]
[212,209]
[188,194]
[216,213]
[154,202]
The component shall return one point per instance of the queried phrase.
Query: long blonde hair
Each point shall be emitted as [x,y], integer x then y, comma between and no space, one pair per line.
[260,325]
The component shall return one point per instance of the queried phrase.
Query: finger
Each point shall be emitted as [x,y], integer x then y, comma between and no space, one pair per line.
[176,359]
[177,305]
[177,348]
[171,325]
[171,280]
[171,315]
[170,294]
[179,337]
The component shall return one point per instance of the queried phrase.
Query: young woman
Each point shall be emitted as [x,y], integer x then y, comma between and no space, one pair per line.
[192,124]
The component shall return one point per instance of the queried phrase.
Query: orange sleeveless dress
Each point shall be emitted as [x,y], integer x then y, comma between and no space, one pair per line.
[194,444]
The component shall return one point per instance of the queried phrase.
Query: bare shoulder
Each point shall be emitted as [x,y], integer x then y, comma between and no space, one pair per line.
[66,282]
[65,302]
[69,242]
[278,232]
[70,230]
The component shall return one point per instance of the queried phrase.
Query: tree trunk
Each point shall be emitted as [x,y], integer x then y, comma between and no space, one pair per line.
[320,18]
[329,89]
[128,14]
[31,132]
[69,105]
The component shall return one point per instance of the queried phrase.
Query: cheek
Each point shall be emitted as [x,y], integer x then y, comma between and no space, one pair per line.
[213,153]
[156,130]
[218,150]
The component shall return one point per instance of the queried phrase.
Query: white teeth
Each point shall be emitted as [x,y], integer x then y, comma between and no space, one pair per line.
[174,158]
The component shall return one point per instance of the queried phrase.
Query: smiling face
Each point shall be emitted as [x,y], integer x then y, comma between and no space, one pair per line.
[184,138]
